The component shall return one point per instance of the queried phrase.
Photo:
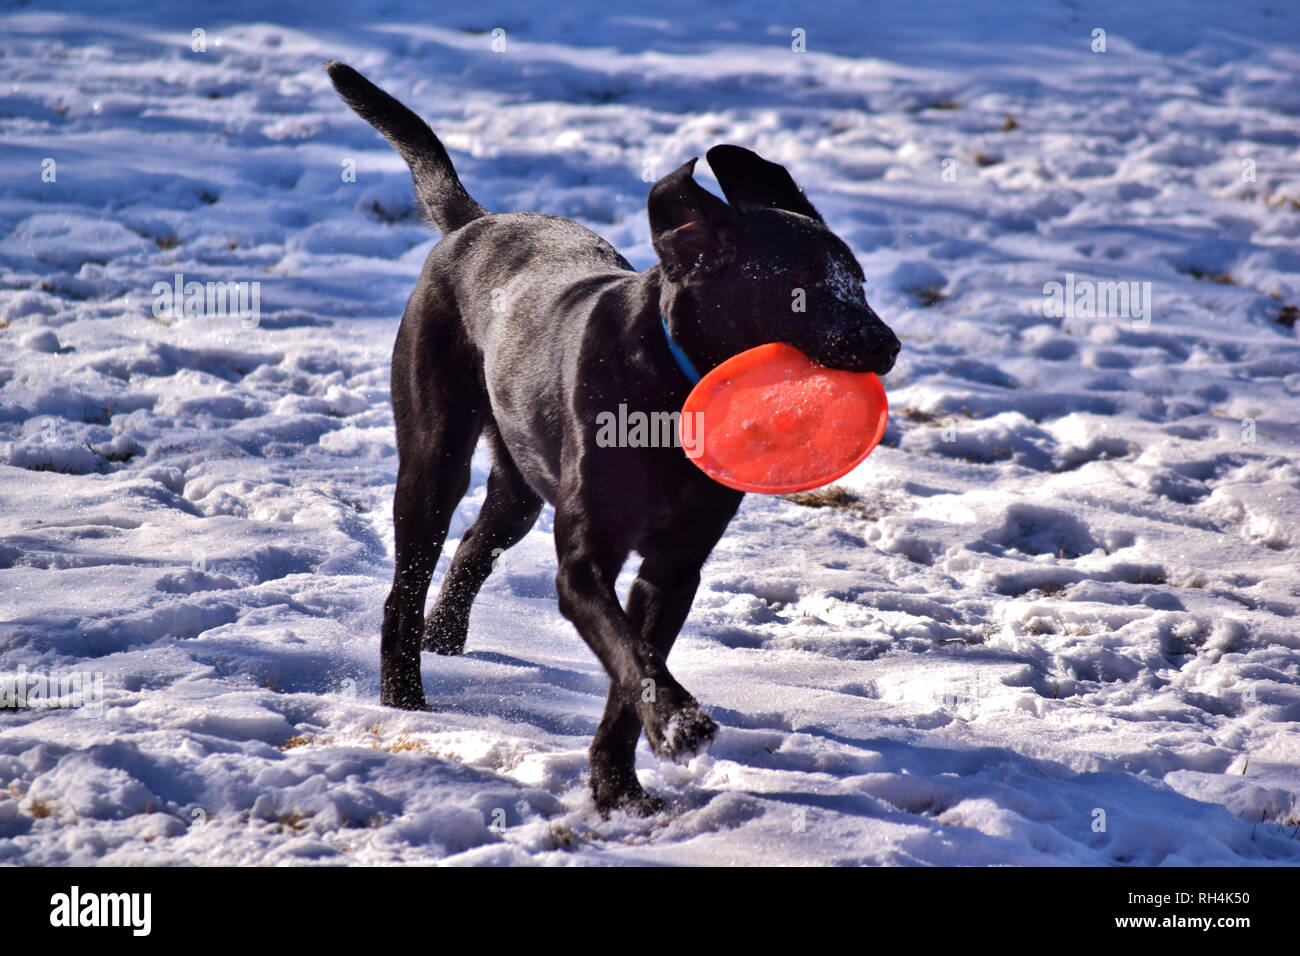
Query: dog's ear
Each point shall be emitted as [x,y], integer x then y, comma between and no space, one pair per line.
[687,223]
[750,182]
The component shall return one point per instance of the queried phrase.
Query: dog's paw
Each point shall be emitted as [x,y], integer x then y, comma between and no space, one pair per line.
[405,701]
[689,733]
[447,646]
[640,804]
[402,695]
[444,633]
[680,733]
[624,792]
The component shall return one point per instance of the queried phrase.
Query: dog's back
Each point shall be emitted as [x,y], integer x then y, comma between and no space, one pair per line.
[524,287]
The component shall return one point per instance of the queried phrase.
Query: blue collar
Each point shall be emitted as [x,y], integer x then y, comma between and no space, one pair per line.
[683,360]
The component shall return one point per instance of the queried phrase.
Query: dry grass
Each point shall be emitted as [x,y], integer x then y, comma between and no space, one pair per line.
[294,821]
[927,296]
[837,498]
[1218,278]
[563,837]
[403,744]
[1148,575]
[912,413]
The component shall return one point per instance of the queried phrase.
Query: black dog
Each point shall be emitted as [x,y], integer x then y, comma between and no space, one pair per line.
[528,327]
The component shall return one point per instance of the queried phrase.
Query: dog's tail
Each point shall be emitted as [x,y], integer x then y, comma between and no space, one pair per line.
[437,187]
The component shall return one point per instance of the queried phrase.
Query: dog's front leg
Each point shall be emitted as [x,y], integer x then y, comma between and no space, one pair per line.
[674,724]
[657,613]
[657,606]
[634,645]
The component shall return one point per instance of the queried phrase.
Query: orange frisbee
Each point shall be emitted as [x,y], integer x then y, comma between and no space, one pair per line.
[773,421]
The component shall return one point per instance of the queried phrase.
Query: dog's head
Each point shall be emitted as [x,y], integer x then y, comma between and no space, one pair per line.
[762,267]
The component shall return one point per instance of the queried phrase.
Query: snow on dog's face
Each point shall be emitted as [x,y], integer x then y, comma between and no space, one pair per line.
[763,268]
[803,286]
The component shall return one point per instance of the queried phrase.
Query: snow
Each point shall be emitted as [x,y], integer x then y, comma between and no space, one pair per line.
[1051,620]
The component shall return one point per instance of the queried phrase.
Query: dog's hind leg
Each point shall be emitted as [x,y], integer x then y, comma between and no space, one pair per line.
[439,406]
[509,511]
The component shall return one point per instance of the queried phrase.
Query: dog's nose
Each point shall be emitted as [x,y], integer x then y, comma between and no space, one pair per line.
[889,352]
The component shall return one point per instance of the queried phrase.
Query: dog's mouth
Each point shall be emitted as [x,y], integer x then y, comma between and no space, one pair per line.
[876,354]
[852,341]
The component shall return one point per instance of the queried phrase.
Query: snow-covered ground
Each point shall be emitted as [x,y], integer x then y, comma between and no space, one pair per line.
[1052,619]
